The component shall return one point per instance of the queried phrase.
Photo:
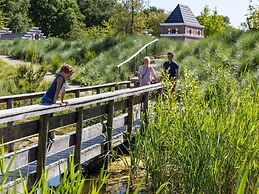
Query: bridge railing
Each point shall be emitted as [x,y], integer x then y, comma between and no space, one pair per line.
[135,57]
[9,100]
[76,113]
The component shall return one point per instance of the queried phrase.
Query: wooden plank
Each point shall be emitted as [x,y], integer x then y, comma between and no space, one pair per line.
[25,130]
[130,116]
[79,127]
[55,168]
[29,154]
[90,153]
[19,131]
[120,105]
[145,112]
[109,127]
[36,110]
[42,145]
[73,90]
[118,140]
[94,111]
[10,124]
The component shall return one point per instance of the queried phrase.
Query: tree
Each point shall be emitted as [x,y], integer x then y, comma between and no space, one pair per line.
[17,14]
[213,23]
[129,17]
[253,17]
[56,17]
[154,18]
[96,12]
[2,19]
[2,15]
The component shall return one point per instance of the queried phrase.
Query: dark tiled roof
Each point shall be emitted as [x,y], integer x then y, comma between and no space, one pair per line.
[182,14]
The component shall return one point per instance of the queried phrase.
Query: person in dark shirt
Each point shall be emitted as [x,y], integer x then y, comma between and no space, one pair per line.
[172,68]
[56,89]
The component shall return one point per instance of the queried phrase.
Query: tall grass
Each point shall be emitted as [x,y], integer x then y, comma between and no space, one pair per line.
[94,60]
[205,140]
[72,181]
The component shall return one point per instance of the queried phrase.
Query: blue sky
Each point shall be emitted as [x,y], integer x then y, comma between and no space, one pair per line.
[234,9]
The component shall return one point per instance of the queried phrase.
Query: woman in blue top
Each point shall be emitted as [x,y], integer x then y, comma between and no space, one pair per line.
[58,86]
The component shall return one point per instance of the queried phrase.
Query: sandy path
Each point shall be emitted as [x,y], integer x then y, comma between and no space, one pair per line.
[12,62]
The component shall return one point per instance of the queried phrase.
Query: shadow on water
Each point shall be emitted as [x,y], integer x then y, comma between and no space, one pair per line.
[116,183]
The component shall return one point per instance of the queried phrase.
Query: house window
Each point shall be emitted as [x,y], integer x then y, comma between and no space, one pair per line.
[174,31]
[169,31]
[199,32]
[190,31]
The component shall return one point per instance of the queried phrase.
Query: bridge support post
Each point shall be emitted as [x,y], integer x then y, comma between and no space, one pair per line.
[145,112]
[108,128]
[78,143]
[130,116]
[42,145]
[10,124]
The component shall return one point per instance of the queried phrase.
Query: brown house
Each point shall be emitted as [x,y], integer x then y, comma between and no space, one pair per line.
[182,25]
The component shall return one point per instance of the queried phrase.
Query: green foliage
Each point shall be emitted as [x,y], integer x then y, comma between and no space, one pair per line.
[17,14]
[56,18]
[7,74]
[130,18]
[96,12]
[253,17]
[213,23]
[154,17]
[28,79]
[201,138]
[106,29]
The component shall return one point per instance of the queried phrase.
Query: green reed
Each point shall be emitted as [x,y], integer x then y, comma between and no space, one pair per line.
[204,140]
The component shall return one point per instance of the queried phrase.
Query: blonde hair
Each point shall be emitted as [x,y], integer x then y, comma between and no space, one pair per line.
[148,59]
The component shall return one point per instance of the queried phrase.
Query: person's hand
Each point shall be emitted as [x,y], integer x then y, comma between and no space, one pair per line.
[64,103]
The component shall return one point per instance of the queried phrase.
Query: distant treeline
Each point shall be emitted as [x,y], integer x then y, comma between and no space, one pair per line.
[66,18]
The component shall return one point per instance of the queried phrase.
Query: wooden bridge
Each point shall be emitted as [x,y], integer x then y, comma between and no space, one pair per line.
[87,142]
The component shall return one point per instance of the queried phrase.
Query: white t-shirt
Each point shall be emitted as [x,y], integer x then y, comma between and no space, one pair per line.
[146,74]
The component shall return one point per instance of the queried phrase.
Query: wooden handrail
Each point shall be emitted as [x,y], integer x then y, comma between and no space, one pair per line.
[146,45]
[19,113]
[80,110]
[73,90]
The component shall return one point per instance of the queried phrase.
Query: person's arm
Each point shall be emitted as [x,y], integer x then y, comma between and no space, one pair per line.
[139,72]
[153,73]
[58,87]
[62,96]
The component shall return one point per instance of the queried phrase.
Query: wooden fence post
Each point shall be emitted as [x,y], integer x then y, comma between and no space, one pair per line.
[10,124]
[77,93]
[117,87]
[145,112]
[130,116]
[79,128]
[98,90]
[108,127]
[78,143]
[42,145]
[128,85]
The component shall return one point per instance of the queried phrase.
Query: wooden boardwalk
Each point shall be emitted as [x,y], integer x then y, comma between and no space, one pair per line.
[85,143]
